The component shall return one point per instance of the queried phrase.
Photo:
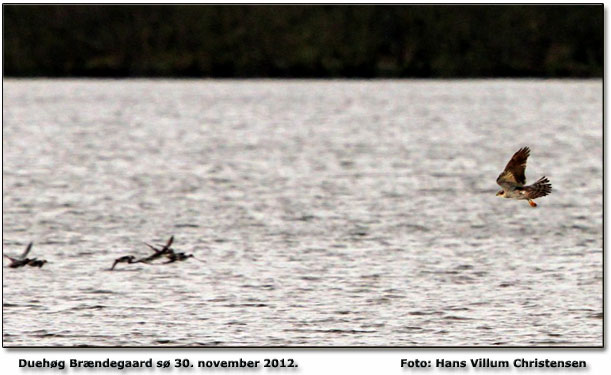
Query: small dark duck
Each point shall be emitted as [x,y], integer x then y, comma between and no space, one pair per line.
[22,259]
[37,262]
[177,257]
[124,259]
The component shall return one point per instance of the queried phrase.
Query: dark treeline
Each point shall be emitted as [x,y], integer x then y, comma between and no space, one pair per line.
[303,41]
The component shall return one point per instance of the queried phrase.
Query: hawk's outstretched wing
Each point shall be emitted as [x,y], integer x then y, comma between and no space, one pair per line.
[513,175]
[539,189]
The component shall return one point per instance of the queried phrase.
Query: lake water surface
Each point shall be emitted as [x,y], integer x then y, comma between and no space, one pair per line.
[328,213]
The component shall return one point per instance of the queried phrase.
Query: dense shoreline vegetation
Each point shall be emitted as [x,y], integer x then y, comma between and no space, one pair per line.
[303,41]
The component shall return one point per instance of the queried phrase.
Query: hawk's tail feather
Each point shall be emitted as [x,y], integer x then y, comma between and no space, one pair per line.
[539,189]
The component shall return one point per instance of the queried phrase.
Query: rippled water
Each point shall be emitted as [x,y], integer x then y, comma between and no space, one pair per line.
[328,212]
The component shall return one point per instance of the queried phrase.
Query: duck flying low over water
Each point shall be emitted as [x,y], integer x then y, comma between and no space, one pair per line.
[513,180]
[37,262]
[124,259]
[166,251]
[22,260]
[130,259]
[176,257]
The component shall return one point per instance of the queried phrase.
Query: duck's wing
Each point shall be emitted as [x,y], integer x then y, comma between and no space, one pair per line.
[27,250]
[513,175]
[153,248]
[169,243]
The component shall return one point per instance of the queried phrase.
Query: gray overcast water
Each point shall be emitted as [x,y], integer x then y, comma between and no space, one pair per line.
[327,212]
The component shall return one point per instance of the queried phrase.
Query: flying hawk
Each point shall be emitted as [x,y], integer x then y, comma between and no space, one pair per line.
[513,181]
